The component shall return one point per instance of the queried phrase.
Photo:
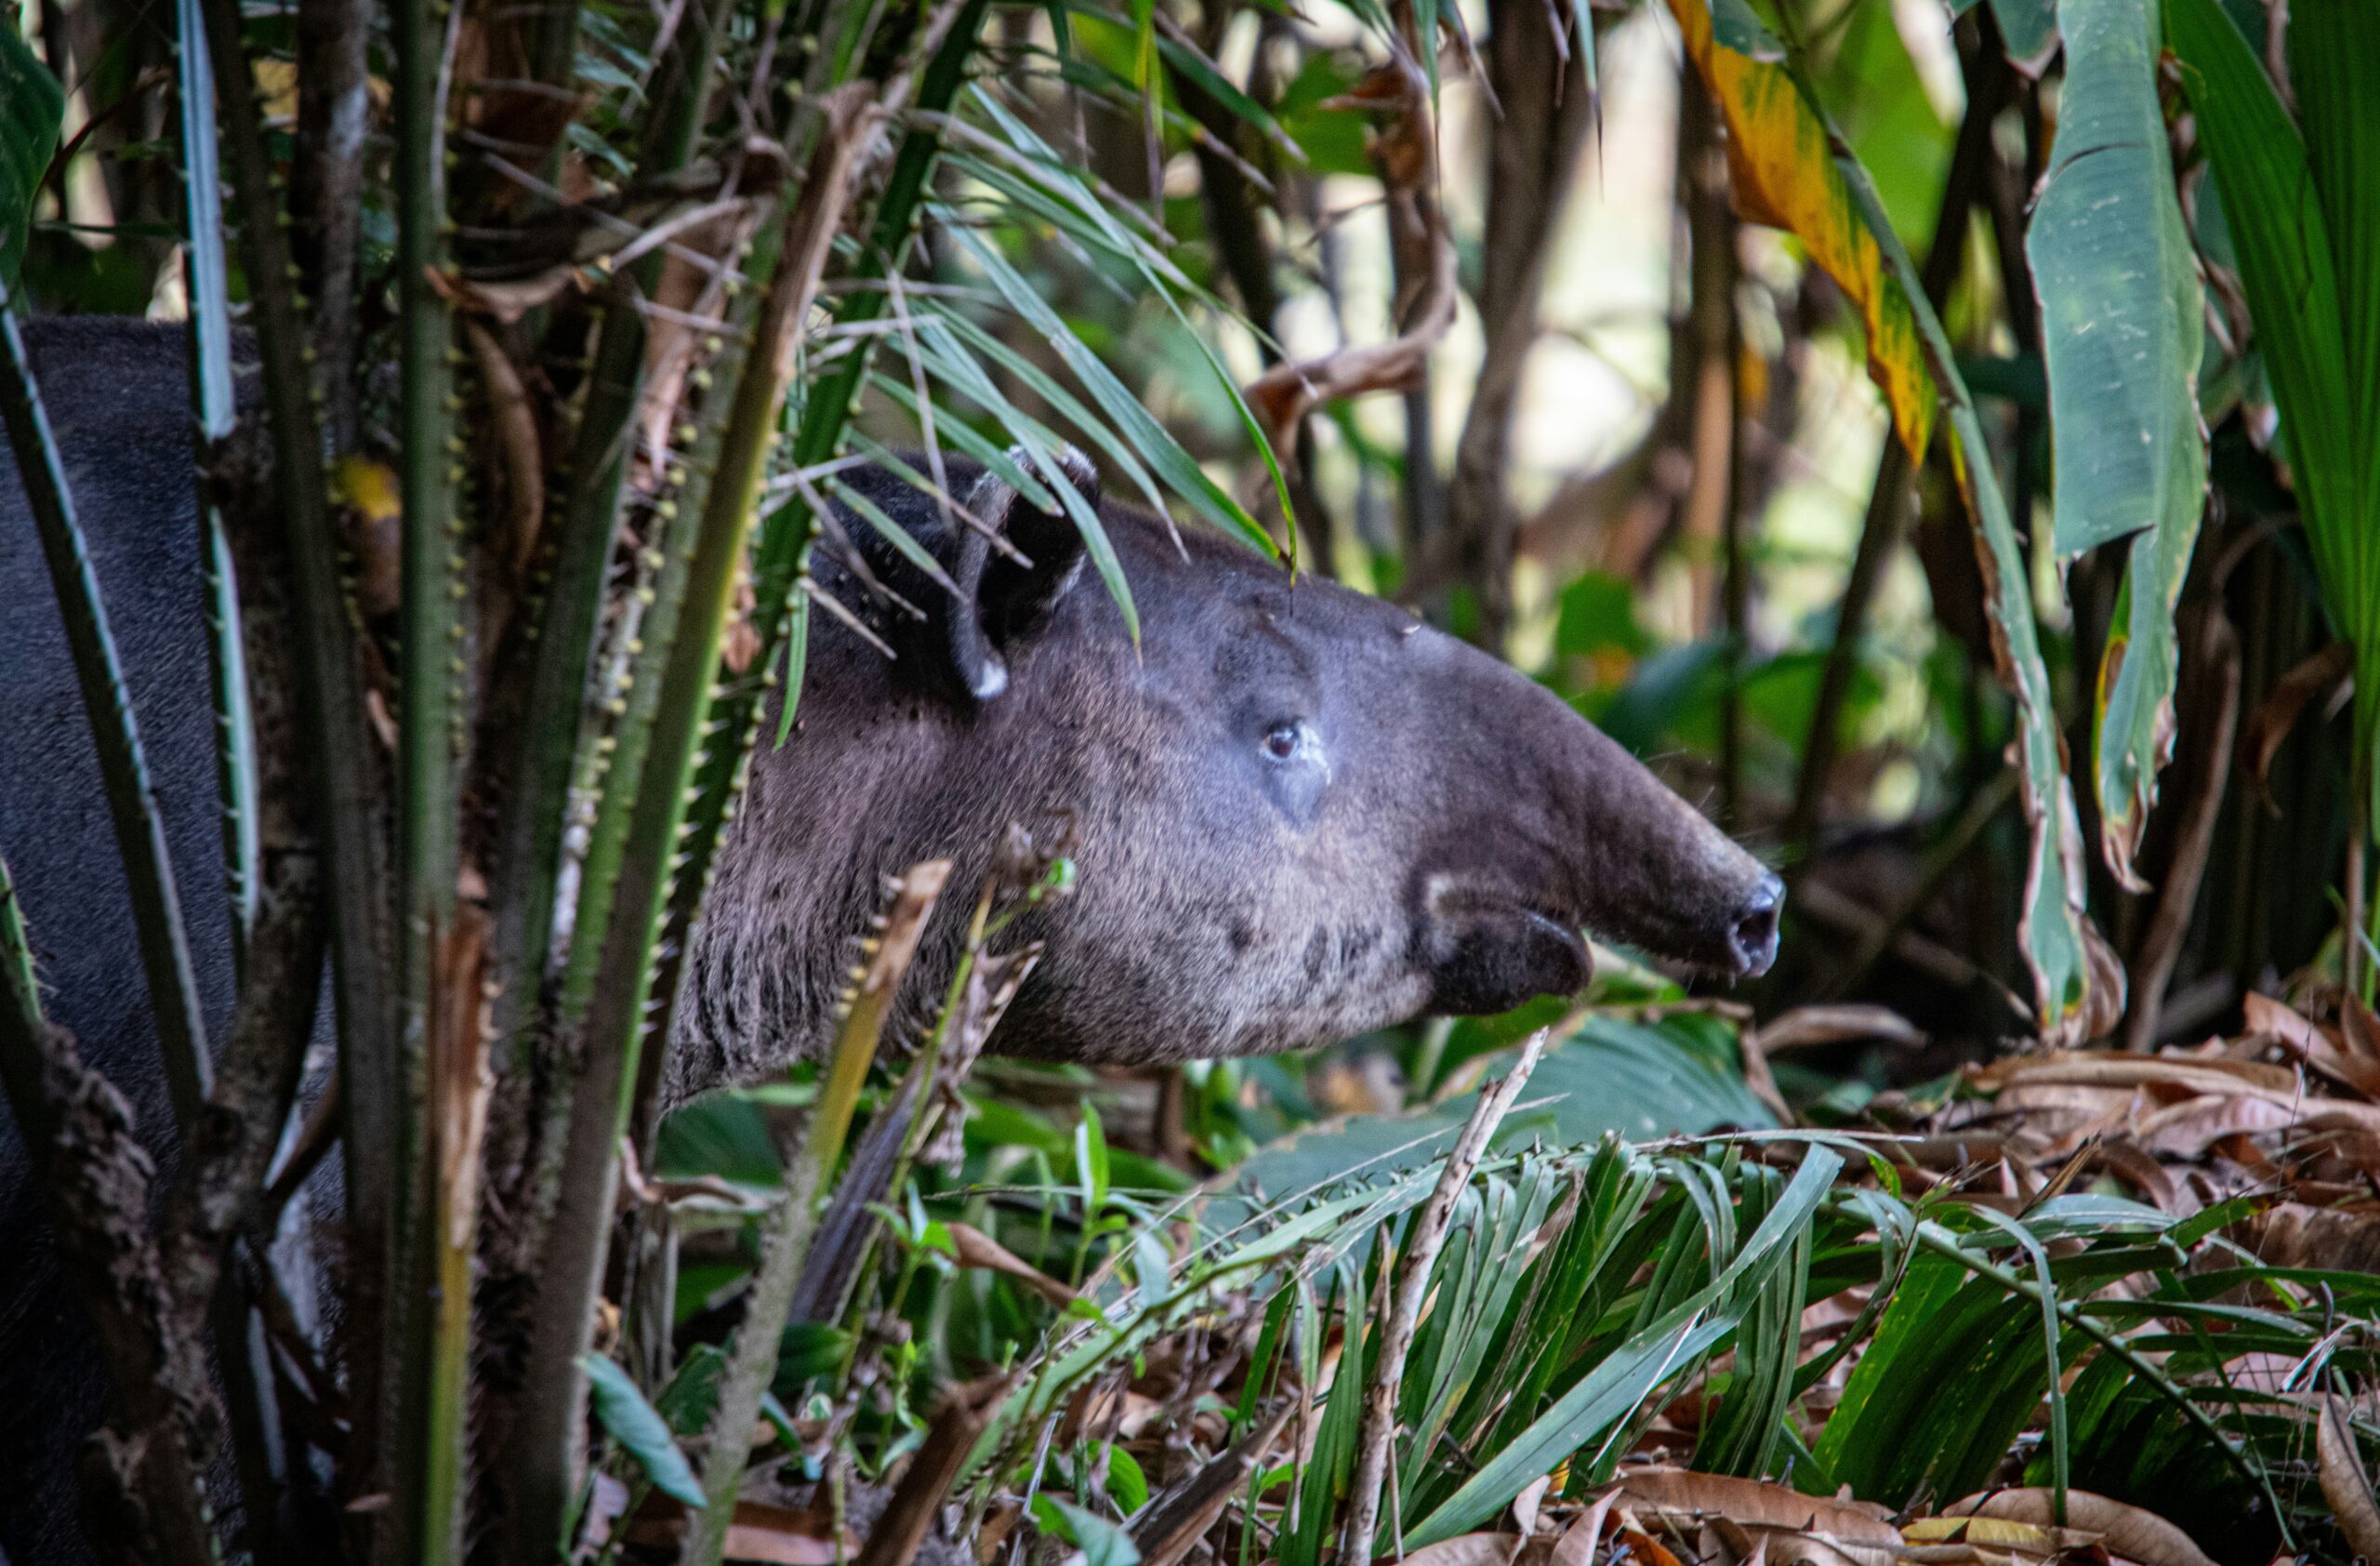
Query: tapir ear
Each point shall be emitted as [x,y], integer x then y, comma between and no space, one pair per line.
[1004,600]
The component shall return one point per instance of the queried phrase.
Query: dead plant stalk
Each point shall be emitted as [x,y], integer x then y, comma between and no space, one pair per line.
[1402,1307]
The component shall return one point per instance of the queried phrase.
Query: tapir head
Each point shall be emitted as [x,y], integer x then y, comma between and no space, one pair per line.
[1297,812]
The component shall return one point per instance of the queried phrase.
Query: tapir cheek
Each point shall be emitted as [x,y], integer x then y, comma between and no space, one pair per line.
[1298,788]
[1493,964]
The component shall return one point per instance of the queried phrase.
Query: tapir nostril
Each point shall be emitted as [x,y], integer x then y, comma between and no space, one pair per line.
[1752,939]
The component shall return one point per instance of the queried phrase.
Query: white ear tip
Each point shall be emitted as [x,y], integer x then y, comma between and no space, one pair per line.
[1074,467]
[990,680]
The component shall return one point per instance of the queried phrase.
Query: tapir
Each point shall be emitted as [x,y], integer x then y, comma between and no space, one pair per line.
[1297,813]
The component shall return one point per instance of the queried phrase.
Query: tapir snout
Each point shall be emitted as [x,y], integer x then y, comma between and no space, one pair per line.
[1551,829]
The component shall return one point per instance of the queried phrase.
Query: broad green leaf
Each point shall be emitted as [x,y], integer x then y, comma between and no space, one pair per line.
[32,108]
[639,1429]
[1791,169]
[1781,155]
[1126,1481]
[1102,1543]
[2334,59]
[2122,330]
[2030,29]
[686,1403]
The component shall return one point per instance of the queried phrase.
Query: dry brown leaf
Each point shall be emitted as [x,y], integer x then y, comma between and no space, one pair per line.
[1783,1548]
[1526,1505]
[1643,1547]
[2265,1015]
[1753,1501]
[2163,1074]
[2318,675]
[2187,1130]
[2131,1163]
[2346,1484]
[772,1547]
[2344,1060]
[1577,1545]
[1804,1026]
[2132,1531]
[606,1501]
[2360,1025]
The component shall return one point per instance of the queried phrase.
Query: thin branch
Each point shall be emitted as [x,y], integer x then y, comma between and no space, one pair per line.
[1547,108]
[1401,1310]
[2214,699]
[752,1358]
[1406,152]
[326,191]
[1988,81]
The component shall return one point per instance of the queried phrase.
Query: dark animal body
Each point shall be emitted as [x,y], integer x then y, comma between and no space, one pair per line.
[1297,813]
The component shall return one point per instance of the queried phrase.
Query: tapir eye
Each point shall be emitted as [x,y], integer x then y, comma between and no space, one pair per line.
[1281,741]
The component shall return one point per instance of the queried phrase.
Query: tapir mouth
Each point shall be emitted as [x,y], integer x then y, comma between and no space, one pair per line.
[1567,931]
[1491,950]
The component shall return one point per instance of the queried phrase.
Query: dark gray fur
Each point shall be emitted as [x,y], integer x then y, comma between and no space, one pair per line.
[120,396]
[1434,836]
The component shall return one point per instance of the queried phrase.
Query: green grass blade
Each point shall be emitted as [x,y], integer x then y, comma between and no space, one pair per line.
[1114,400]
[1656,1353]
[944,336]
[20,1013]
[2061,1454]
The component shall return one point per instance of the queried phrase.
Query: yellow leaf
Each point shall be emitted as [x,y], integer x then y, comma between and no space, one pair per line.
[1782,164]
[365,487]
[1998,1532]
[277,88]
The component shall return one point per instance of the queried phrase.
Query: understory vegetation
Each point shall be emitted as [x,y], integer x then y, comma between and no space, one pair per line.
[1945,442]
